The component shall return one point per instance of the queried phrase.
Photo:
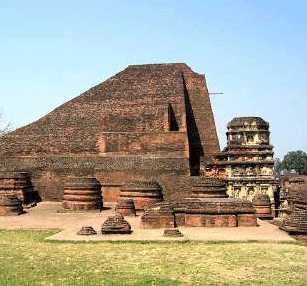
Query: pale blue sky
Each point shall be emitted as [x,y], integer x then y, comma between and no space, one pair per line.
[255,52]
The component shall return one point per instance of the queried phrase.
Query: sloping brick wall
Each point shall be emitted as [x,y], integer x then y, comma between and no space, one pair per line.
[148,121]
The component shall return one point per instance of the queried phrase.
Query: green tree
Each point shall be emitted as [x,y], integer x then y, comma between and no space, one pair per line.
[278,166]
[295,160]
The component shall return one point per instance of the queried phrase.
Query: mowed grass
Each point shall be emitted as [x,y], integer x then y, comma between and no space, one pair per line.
[26,259]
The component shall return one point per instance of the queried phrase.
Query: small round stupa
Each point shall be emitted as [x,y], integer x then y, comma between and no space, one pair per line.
[143,192]
[204,187]
[125,207]
[82,194]
[87,230]
[116,225]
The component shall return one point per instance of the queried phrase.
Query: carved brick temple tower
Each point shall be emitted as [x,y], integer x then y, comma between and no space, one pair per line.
[148,121]
[250,157]
[247,161]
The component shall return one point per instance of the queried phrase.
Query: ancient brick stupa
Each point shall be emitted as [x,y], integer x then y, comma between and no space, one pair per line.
[148,121]
[19,184]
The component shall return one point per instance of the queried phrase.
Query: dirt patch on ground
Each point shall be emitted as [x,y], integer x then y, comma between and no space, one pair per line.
[50,215]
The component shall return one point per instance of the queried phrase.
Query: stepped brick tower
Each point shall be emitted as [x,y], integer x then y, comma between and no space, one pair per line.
[148,121]
[247,161]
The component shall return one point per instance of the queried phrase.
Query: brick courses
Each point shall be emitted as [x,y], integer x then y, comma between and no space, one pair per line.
[148,121]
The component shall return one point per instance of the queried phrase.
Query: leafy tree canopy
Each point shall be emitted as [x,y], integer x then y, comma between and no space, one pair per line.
[294,160]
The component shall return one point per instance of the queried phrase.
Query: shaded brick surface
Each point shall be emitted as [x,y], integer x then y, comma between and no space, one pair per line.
[295,222]
[10,205]
[247,220]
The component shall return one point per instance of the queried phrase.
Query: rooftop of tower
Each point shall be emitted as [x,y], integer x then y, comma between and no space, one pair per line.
[247,120]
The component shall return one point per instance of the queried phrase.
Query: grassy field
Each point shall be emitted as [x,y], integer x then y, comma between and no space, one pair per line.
[26,259]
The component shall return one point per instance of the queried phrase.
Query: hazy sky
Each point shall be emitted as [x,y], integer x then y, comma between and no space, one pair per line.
[255,52]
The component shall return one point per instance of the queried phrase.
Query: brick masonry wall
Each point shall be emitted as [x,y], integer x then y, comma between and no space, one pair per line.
[48,174]
[155,144]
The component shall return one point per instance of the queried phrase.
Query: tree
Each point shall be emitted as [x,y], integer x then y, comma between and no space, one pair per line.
[295,160]
[278,166]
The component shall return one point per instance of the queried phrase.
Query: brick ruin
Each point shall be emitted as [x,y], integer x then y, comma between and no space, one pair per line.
[87,230]
[16,191]
[82,194]
[19,184]
[147,122]
[209,206]
[143,192]
[125,207]
[147,133]
[116,225]
[263,206]
[294,205]
[10,205]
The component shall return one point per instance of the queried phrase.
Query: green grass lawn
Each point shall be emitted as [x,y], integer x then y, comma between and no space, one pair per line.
[26,259]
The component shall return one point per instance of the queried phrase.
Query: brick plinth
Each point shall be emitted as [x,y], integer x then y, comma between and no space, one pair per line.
[160,215]
[247,220]
[205,212]
[159,222]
